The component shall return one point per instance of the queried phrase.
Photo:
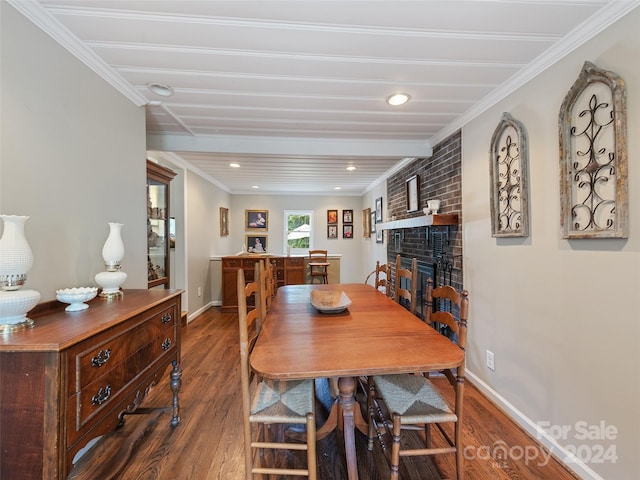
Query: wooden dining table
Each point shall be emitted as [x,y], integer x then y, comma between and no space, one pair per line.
[373,336]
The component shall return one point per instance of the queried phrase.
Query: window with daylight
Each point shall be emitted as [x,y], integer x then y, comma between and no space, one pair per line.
[298,230]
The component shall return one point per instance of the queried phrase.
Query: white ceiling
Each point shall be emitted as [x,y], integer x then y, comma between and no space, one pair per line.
[294,91]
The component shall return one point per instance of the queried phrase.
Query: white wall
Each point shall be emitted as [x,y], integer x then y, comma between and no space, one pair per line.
[559,315]
[203,202]
[351,270]
[66,138]
[372,251]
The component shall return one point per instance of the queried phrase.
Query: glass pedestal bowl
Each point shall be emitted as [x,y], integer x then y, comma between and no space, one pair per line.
[76,297]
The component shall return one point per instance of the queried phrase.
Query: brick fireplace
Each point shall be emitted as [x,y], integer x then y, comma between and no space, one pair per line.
[437,249]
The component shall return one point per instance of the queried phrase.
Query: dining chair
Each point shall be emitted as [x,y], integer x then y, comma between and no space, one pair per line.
[319,270]
[406,283]
[382,277]
[413,402]
[268,403]
[270,282]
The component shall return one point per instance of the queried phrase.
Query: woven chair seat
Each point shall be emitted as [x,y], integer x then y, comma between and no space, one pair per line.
[282,402]
[414,398]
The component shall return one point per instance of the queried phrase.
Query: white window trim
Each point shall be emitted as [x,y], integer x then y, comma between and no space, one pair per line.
[297,251]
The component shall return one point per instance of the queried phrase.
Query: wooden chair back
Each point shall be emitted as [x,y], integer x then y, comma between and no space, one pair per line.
[270,283]
[382,276]
[447,297]
[406,284]
[249,322]
[317,255]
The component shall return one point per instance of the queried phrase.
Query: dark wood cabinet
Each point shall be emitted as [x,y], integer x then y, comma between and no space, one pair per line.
[158,219]
[288,270]
[70,378]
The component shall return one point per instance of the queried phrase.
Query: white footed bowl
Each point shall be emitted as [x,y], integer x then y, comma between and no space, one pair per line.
[76,297]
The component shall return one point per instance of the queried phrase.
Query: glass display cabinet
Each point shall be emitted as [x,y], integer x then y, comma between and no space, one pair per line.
[158,265]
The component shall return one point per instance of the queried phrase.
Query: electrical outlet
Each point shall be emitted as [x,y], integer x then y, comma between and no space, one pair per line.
[199,291]
[490,360]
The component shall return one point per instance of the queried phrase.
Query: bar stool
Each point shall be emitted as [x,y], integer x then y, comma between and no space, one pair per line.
[318,265]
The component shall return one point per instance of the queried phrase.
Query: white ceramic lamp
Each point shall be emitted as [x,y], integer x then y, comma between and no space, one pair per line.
[16,259]
[112,253]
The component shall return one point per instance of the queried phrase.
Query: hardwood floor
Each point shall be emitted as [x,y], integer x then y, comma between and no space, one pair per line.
[208,443]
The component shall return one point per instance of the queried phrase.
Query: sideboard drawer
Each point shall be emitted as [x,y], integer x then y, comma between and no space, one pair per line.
[233,263]
[97,397]
[92,358]
[295,261]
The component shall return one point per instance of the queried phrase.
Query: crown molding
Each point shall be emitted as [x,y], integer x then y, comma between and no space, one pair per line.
[609,14]
[36,13]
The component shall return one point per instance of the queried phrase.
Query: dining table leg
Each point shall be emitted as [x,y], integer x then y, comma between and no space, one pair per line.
[347,386]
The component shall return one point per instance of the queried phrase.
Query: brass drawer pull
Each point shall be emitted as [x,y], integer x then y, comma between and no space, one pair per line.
[166,345]
[166,318]
[101,358]
[102,396]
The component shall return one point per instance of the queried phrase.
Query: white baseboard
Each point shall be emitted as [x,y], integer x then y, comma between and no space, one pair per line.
[557,451]
[198,312]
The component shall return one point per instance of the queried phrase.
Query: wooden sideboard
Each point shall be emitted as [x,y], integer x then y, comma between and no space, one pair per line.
[74,375]
[289,271]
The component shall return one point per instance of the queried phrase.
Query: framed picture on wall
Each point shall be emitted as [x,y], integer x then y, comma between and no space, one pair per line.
[347,216]
[372,224]
[224,222]
[256,219]
[413,193]
[332,217]
[379,235]
[366,222]
[332,231]
[378,209]
[347,231]
[256,243]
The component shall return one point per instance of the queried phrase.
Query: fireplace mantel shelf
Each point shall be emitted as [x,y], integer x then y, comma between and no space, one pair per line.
[445,219]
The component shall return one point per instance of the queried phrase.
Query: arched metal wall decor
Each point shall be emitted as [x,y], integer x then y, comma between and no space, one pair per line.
[509,163]
[593,156]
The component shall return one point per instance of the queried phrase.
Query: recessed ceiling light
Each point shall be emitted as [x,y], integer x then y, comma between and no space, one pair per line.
[398,99]
[337,188]
[351,168]
[255,186]
[160,89]
[234,165]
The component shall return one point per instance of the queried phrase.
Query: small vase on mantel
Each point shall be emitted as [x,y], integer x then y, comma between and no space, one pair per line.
[112,253]
[16,259]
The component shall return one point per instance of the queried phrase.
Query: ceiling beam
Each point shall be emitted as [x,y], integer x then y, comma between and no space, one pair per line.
[249,145]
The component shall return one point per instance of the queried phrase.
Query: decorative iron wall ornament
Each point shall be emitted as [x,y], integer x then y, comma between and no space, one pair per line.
[509,163]
[593,156]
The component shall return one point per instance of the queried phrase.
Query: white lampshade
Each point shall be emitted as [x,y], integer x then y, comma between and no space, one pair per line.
[16,258]
[113,249]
